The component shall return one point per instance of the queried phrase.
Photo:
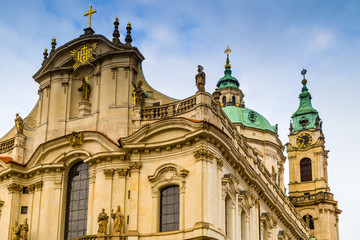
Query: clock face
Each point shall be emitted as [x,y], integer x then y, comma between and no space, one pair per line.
[304,140]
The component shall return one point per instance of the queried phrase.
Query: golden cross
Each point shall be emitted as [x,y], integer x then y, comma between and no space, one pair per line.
[89,13]
[227,50]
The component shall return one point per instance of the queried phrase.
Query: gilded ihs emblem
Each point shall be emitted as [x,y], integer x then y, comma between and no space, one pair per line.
[83,55]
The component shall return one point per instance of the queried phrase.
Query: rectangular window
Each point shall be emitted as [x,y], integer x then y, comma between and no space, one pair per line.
[169,209]
[25,190]
[24,209]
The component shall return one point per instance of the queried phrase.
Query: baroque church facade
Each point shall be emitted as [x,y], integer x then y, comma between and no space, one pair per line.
[103,155]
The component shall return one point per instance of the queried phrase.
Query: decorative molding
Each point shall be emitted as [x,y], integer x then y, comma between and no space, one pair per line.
[123,172]
[109,173]
[168,174]
[219,162]
[14,188]
[1,205]
[135,166]
[204,154]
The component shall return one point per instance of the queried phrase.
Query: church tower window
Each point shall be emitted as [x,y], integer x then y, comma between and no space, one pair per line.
[169,209]
[308,219]
[77,201]
[224,100]
[233,100]
[305,170]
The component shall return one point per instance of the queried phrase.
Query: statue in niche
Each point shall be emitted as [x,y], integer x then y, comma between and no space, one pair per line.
[118,219]
[103,219]
[200,79]
[85,89]
[15,231]
[19,124]
[24,230]
[139,95]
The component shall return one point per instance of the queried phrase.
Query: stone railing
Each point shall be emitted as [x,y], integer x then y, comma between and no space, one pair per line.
[7,145]
[167,110]
[312,197]
[101,237]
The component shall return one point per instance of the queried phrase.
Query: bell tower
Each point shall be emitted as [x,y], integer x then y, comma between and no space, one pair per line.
[309,188]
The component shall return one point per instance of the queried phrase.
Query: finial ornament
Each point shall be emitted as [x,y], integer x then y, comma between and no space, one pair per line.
[116,33]
[227,51]
[303,72]
[45,55]
[53,44]
[89,13]
[128,38]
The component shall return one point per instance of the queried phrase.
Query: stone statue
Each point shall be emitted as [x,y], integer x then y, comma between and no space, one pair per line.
[200,79]
[103,219]
[24,230]
[139,95]
[19,124]
[118,219]
[85,89]
[15,231]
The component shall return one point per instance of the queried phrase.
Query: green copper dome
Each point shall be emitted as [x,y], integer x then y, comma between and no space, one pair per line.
[248,118]
[305,117]
[228,81]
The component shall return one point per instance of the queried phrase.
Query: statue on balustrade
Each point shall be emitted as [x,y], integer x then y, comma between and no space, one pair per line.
[200,79]
[118,219]
[103,219]
[139,95]
[19,124]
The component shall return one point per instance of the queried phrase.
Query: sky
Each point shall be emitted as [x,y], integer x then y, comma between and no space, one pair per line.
[271,42]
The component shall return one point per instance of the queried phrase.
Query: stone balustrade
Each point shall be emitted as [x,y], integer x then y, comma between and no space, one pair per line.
[167,110]
[102,237]
[312,197]
[7,145]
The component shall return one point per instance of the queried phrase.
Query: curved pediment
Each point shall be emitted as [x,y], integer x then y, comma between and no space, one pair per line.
[76,145]
[166,131]
[85,50]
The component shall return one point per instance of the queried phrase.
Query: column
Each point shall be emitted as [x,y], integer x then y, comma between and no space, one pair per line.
[135,167]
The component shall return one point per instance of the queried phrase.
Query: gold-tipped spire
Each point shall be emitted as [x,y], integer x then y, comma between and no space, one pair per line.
[89,13]
[227,51]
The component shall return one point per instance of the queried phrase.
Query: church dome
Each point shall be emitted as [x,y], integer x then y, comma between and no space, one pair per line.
[248,118]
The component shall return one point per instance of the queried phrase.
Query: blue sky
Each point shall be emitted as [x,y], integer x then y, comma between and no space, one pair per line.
[271,42]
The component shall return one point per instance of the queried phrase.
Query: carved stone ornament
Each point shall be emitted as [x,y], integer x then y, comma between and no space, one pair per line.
[168,173]
[76,139]
[203,154]
[109,172]
[122,172]
[219,162]
[13,187]
[135,166]
[37,186]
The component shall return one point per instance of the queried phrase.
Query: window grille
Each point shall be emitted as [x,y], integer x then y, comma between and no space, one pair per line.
[169,209]
[77,201]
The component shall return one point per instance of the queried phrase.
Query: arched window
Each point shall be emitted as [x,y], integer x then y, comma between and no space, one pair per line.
[77,201]
[169,209]
[224,100]
[308,219]
[233,100]
[305,170]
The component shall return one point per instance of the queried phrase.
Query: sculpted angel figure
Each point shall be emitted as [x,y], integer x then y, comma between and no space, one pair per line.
[24,230]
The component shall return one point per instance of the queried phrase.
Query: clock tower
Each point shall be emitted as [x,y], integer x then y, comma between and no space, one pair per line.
[309,188]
